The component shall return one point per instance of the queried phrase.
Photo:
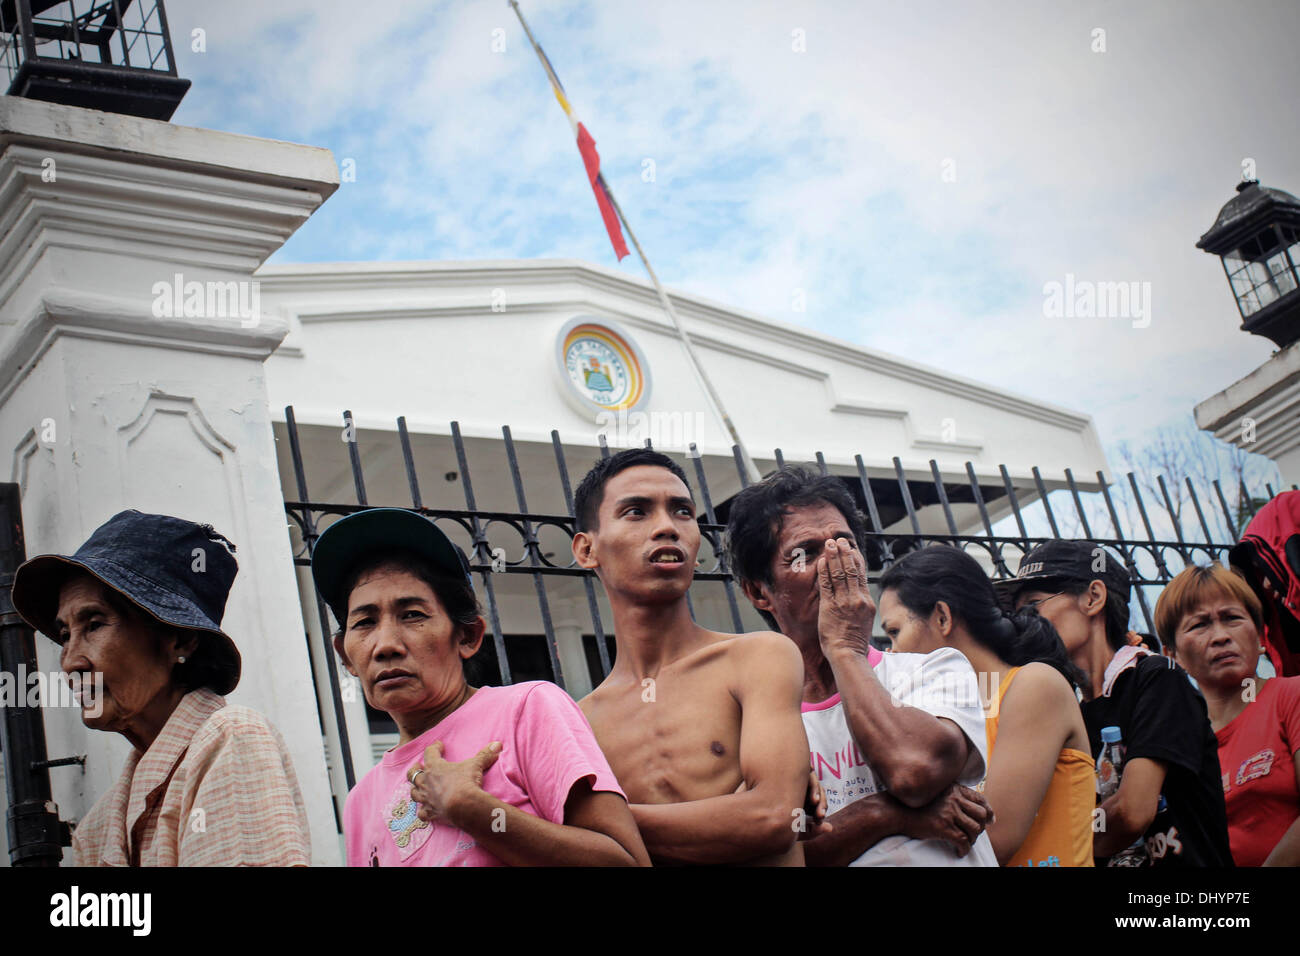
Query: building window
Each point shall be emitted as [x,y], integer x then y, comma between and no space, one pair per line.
[1260,271]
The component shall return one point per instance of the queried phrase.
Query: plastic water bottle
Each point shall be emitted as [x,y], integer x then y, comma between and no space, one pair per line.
[1110,763]
[1110,768]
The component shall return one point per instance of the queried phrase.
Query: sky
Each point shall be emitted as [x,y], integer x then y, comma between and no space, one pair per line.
[915,175]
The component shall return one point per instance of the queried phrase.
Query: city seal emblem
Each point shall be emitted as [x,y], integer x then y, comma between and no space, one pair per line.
[601,369]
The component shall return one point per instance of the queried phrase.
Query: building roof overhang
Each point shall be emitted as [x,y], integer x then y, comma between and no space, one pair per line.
[393,276]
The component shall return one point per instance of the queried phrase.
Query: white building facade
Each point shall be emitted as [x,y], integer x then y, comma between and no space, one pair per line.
[1260,413]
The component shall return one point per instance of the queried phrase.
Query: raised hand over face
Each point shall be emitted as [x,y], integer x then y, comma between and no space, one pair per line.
[846,610]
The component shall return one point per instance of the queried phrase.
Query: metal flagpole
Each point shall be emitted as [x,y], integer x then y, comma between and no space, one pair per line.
[700,374]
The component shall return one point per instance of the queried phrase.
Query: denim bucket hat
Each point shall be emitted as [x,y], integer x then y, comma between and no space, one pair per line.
[176,571]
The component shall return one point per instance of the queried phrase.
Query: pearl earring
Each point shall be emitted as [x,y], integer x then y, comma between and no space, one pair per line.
[180,660]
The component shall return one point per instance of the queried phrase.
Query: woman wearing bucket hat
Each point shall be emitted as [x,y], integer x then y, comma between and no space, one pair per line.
[485,776]
[137,610]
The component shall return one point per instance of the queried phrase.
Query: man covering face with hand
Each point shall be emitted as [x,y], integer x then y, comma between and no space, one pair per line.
[897,767]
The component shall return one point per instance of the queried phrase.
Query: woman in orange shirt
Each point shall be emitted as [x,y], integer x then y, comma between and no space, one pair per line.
[1040,781]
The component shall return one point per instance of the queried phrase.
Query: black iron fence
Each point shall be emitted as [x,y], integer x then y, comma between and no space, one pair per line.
[1163,539]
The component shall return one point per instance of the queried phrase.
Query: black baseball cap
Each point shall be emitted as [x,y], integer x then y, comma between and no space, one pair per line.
[374,531]
[1063,560]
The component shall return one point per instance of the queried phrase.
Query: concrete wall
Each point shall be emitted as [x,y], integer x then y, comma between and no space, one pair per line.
[110,398]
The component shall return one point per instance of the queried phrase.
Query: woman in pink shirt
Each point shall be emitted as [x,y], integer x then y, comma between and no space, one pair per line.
[481,776]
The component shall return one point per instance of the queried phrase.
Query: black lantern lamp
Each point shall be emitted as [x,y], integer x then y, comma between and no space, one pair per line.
[1257,235]
[111,55]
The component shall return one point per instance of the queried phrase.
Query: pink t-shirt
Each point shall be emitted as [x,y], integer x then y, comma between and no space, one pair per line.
[546,747]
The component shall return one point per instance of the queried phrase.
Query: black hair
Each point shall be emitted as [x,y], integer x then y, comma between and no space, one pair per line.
[1150,642]
[453,591]
[591,490]
[758,512]
[206,666]
[1116,612]
[941,572]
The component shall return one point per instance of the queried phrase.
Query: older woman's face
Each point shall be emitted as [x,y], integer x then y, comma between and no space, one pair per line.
[100,644]
[401,644]
[1217,642]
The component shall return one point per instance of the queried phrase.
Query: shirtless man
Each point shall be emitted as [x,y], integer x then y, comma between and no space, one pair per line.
[701,729]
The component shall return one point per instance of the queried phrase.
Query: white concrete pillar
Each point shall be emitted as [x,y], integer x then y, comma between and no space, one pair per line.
[351,696]
[569,620]
[131,376]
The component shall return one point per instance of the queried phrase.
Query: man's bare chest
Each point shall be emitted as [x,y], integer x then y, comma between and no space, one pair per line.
[671,740]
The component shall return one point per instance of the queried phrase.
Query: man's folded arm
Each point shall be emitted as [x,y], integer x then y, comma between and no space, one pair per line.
[857,828]
[916,754]
[765,818]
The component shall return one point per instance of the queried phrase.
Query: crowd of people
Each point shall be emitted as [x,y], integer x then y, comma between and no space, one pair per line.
[1016,722]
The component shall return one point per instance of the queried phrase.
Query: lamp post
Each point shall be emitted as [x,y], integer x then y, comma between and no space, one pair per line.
[115,56]
[1257,236]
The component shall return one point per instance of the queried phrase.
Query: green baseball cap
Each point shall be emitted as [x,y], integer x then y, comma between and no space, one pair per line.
[375,531]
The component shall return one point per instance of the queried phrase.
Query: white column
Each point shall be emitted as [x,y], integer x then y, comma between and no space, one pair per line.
[568,622]
[351,696]
[113,397]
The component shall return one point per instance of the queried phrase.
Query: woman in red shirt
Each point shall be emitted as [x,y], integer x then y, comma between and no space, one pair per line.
[1214,621]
